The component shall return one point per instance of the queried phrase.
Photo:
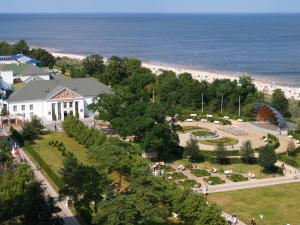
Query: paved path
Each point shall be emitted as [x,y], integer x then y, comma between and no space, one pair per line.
[226,216]
[66,214]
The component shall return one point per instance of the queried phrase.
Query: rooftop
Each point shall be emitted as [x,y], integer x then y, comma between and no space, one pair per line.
[20,58]
[23,69]
[45,89]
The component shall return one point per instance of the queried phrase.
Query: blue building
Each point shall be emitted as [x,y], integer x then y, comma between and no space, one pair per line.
[19,58]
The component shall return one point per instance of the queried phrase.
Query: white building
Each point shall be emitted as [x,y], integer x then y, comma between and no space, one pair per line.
[7,77]
[53,100]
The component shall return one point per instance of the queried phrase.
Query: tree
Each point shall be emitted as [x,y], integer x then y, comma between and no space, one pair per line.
[247,152]
[32,129]
[63,69]
[46,58]
[93,64]
[291,148]
[83,184]
[115,71]
[280,102]
[193,209]
[192,151]
[22,199]
[220,152]
[267,157]
[128,209]
[21,47]
[5,156]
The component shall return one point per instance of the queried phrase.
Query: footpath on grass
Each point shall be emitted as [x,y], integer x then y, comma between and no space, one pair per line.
[66,214]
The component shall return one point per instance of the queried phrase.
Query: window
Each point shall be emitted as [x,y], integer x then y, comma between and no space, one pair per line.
[15,108]
[31,114]
[31,107]
[23,107]
[70,104]
[65,104]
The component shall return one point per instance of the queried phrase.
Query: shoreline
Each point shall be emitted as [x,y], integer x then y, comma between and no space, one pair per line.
[209,76]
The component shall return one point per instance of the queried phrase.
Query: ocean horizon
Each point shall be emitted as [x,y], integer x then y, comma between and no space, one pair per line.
[264,45]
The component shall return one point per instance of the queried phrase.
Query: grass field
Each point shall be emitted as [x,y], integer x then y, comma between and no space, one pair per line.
[278,204]
[52,156]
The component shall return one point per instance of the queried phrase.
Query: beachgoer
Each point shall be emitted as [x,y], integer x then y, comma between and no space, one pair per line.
[253,222]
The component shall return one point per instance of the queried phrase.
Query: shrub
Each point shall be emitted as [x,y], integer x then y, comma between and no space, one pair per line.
[187,183]
[267,157]
[247,152]
[273,141]
[192,152]
[235,177]
[57,181]
[200,173]
[17,136]
[214,180]
[176,175]
[291,148]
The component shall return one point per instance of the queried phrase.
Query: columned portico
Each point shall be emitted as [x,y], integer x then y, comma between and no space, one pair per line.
[53,100]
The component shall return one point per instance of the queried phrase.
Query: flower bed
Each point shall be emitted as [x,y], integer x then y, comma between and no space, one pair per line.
[214,180]
[187,183]
[200,173]
[225,140]
[235,177]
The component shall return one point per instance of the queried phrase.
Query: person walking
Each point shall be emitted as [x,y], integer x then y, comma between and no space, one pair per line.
[253,222]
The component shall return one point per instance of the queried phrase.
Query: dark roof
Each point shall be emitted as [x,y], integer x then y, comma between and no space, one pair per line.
[44,89]
[24,69]
[280,121]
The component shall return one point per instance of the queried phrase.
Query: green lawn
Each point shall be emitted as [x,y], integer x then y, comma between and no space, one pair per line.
[278,204]
[203,133]
[54,157]
[226,141]
[291,160]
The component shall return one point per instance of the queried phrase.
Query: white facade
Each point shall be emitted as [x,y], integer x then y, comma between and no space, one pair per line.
[7,77]
[52,109]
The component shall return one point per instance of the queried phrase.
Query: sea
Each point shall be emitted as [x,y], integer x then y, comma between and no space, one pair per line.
[263,45]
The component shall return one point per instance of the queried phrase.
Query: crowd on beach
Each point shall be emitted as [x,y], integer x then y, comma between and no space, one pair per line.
[265,86]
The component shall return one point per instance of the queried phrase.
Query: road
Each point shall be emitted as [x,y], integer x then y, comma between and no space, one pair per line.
[66,214]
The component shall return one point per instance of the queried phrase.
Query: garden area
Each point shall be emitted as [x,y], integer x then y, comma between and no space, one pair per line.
[227,141]
[278,204]
[50,153]
[204,133]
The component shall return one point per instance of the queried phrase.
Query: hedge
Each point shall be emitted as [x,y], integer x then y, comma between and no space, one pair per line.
[207,153]
[275,141]
[17,136]
[57,181]
[213,159]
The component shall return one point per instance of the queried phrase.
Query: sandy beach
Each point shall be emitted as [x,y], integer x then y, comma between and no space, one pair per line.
[266,87]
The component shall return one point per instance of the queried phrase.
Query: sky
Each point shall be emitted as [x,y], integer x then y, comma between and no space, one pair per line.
[158,6]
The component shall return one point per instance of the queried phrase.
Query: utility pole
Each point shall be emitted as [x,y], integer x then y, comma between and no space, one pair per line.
[222,104]
[202,103]
[239,106]
[153,99]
